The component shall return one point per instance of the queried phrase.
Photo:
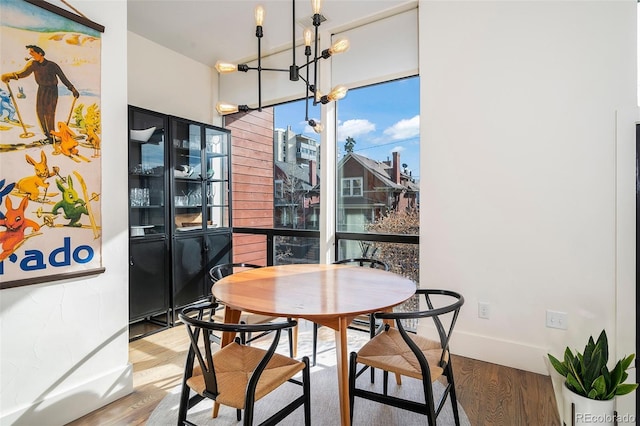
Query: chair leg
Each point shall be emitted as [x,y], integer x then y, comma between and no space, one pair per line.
[243,336]
[315,342]
[293,341]
[186,390]
[398,379]
[215,409]
[372,333]
[452,393]
[385,382]
[306,389]
[352,382]
[294,332]
[184,404]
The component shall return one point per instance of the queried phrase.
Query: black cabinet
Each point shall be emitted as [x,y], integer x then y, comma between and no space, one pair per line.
[200,185]
[149,291]
[193,257]
[148,272]
[179,215]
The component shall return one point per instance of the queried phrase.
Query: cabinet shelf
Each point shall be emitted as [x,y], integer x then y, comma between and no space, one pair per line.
[153,206]
[145,175]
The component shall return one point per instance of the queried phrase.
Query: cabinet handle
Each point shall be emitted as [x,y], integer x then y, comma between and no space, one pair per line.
[131,263]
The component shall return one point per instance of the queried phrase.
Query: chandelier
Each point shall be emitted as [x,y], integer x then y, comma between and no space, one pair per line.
[294,70]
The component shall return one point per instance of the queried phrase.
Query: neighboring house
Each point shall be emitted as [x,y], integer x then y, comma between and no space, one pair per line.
[369,189]
[296,202]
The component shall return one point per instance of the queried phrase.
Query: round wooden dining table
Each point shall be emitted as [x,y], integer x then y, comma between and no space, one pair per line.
[330,295]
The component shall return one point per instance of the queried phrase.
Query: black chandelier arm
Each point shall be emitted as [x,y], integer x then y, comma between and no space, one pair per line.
[316,25]
[271,69]
[248,68]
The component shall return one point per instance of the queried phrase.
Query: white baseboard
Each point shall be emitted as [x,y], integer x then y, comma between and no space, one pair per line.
[64,407]
[503,352]
[497,351]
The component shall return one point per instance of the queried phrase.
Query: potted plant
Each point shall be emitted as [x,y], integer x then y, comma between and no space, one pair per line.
[590,386]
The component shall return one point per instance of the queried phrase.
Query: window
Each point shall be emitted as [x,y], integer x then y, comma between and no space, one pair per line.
[352,187]
[278,189]
[379,143]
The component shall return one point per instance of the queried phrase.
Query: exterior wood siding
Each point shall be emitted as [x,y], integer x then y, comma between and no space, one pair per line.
[252,181]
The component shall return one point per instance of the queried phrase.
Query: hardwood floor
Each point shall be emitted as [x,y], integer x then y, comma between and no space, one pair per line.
[490,394]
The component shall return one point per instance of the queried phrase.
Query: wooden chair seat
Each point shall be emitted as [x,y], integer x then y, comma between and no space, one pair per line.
[389,352]
[234,365]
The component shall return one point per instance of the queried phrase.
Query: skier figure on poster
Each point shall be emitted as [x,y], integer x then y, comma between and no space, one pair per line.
[46,74]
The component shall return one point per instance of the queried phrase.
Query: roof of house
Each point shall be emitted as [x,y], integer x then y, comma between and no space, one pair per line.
[382,171]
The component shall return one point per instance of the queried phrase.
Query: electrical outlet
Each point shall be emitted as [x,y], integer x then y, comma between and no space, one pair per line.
[557,319]
[483,310]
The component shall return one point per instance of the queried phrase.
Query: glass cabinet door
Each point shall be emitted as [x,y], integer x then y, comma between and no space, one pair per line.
[217,178]
[187,175]
[200,176]
[146,173]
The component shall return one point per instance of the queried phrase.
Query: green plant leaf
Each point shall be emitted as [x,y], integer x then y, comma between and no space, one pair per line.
[626,388]
[576,385]
[626,362]
[617,375]
[598,388]
[594,364]
[559,367]
[608,380]
[604,344]
[568,356]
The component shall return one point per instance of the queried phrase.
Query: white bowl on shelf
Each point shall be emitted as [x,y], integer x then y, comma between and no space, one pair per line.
[141,135]
[138,231]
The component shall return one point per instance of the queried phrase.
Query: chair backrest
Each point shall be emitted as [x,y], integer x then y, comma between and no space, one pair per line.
[226,269]
[364,262]
[200,336]
[447,307]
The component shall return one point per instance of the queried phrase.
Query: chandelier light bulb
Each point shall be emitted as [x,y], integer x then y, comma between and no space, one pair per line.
[226,108]
[308,36]
[339,46]
[259,14]
[226,67]
[316,126]
[337,93]
[316,5]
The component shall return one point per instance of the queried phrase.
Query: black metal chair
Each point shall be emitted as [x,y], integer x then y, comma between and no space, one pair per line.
[238,375]
[220,271]
[365,263]
[394,350]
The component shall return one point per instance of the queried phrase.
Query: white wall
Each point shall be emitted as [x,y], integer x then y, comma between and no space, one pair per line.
[165,81]
[64,344]
[521,169]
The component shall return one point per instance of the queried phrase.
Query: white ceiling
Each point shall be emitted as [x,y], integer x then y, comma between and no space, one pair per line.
[211,30]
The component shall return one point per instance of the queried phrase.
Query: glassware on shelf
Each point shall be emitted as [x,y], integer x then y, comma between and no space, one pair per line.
[210,195]
[139,197]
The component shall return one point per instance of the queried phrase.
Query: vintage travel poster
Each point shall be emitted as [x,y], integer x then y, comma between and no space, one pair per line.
[50,144]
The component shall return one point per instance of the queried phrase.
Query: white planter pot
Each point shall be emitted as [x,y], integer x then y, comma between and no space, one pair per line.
[587,411]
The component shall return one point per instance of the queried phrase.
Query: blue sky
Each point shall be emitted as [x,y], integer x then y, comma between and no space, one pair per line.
[382,118]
